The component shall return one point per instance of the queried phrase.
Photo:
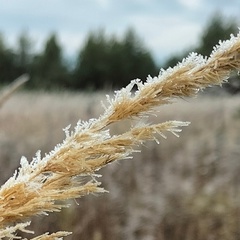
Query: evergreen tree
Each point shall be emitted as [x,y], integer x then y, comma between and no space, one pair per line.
[108,62]
[7,66]
[48,69]
[137,61]
[24,53]
[92,64]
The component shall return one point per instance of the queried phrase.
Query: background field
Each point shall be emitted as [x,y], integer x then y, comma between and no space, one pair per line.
[183,188]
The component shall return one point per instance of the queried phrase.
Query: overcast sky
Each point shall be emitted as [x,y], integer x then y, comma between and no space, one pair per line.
[165,26]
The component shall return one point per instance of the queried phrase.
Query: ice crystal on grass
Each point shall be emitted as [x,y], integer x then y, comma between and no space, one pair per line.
[9,232]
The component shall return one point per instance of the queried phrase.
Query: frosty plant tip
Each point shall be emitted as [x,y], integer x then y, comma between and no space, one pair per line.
[44,184]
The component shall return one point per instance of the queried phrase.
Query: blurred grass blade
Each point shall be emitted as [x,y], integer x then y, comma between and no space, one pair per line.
[11,88]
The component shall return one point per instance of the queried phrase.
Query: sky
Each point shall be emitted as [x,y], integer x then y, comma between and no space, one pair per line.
[166,27]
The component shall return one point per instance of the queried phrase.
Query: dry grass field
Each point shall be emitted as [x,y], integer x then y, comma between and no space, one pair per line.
[182,188]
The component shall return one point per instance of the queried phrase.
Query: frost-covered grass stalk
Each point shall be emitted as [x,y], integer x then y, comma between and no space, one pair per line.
[44,184]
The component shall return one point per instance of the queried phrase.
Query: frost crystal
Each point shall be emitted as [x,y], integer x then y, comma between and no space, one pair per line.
[66,130]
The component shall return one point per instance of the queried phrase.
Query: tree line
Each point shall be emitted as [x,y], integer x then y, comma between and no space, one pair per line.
[103,62]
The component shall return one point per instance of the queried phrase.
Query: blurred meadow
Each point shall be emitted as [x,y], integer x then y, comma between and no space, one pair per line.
[181,188]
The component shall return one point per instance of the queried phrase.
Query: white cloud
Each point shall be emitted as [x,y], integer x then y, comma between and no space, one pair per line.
[105,4]
[191,4]
[72,41]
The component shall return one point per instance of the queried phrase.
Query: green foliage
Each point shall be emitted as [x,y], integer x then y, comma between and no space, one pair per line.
[7,67]
[48,69]
[23,55]
[14,63]
[91,70]
[111,63]
[24,49]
